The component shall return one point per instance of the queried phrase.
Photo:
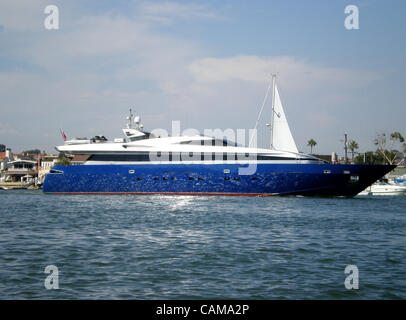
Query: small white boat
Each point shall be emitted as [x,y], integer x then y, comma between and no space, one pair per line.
[400,180]
[384,188]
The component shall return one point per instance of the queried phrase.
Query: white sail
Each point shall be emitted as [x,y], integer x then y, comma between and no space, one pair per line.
[282,138]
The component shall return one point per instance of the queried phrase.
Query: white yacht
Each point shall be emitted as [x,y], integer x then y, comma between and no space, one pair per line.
[384,188]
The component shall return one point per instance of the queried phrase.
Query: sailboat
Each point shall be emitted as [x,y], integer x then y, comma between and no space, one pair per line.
[142,163]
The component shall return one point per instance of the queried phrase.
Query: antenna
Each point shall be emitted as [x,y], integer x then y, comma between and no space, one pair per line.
[129,118]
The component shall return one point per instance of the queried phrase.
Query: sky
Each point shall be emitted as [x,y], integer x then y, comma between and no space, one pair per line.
[206,64]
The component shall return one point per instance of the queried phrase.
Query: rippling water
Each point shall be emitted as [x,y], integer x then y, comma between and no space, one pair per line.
[189,247]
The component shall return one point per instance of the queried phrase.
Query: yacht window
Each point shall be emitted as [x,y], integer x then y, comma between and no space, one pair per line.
[205,156]
[120,157]
[228,156]
[354,178]
[55,171]
[217,156]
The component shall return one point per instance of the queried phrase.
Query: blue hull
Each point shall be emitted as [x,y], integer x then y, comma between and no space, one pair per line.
[214,179]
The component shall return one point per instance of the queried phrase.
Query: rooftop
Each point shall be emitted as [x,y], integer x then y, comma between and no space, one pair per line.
[80,157]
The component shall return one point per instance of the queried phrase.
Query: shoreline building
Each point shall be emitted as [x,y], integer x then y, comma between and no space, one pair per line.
[5,157]
[2,162]
[2,158]
[46,163]
[24,171]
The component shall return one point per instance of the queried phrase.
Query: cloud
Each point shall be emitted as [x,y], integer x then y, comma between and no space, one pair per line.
[21,15]
[166,11]
[97,65]
[6,129]
[258,69]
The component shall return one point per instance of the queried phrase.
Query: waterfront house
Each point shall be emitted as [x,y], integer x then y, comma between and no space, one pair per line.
[46,163]
[24,171]
[5,157]
[2,164]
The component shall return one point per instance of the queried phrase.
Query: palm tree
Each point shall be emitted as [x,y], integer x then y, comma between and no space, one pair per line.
[353,146]
[311,143]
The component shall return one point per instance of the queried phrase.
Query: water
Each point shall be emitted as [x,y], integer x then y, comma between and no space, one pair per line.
[173,247]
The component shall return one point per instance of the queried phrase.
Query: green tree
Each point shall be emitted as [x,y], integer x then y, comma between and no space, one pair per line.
[311,143]
[353,145]
[370,157]
[361,158]
[389,148]
[63,160]
[33,151]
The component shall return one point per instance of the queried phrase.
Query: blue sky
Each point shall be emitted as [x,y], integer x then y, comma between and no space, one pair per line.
[205,63]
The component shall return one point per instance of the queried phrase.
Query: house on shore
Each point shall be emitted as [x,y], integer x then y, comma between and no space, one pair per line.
[3,163]
[21,170]
[5,157]
[46,163]
[24,169]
